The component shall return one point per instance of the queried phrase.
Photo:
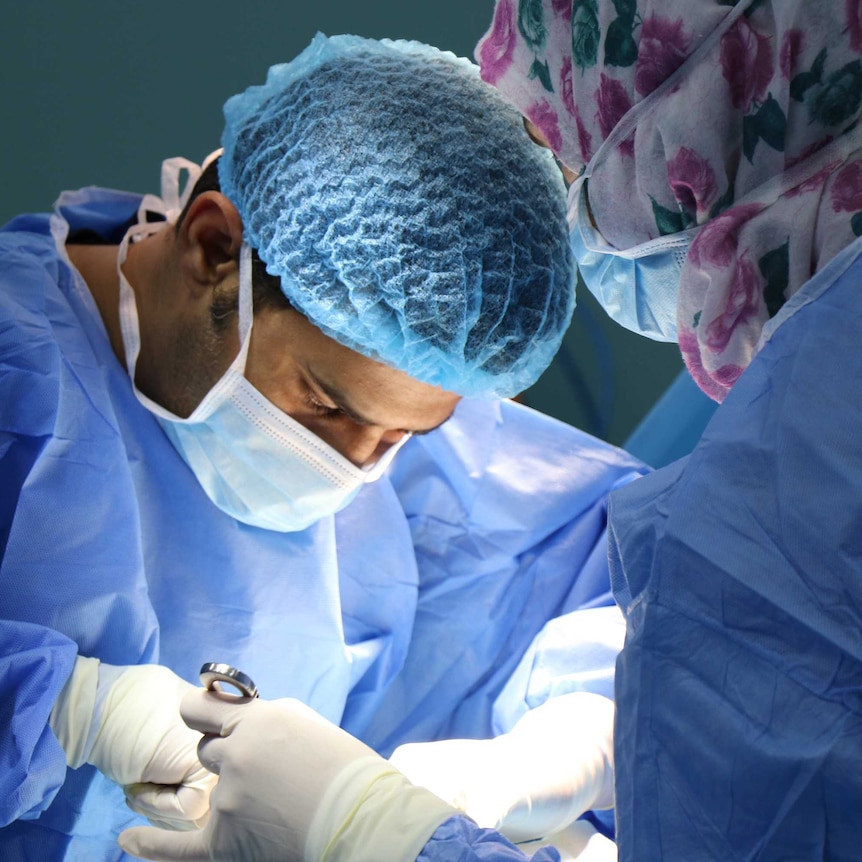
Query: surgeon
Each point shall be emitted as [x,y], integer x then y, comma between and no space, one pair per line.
[202,396]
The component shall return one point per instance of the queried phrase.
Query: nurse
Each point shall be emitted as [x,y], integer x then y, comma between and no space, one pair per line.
[716,150]
[202,395]
[713,149]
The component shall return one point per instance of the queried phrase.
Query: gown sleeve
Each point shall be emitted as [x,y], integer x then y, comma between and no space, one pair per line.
[35,660]
[35,663]
[459,839]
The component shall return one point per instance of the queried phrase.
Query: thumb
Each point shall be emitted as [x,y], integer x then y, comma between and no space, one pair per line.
[161,845]
[213,712]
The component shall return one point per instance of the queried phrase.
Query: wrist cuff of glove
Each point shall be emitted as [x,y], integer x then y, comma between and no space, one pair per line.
[372,812]
[72,716]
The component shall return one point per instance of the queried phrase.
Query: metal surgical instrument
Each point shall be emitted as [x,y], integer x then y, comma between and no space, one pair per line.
[215,674]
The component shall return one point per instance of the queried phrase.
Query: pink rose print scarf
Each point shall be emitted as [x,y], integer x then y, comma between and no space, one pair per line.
[753,138]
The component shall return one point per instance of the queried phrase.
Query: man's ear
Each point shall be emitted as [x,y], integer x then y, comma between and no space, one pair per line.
[210,239]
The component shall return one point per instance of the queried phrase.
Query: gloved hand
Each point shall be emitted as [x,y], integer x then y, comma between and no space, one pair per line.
[555,764]
[578,841]
[126,722]
[292,786]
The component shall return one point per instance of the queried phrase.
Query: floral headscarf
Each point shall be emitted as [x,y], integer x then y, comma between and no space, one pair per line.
[753,141]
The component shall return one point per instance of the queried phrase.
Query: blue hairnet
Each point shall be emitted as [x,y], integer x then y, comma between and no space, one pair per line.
[405,210]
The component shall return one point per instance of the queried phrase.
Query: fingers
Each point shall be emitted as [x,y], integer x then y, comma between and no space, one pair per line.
[213,712]
[172,807]
[160,845]
[211,752]
[194,800]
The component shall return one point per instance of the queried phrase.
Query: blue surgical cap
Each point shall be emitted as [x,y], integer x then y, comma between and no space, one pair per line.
[405,211]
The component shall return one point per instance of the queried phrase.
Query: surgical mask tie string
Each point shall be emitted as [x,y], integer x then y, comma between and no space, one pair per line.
[173,199]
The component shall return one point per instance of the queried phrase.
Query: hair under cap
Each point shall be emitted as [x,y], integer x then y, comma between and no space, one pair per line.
[405,210]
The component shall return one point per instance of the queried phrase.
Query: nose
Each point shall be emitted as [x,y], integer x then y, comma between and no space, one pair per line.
[364,445]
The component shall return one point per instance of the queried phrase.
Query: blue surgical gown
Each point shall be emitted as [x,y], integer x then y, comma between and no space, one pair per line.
[433,605]
[739,690]
[461,840]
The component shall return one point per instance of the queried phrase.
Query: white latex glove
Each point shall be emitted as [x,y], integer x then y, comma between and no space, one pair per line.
[292,787]
[578,842]
[555,764]
[132,732]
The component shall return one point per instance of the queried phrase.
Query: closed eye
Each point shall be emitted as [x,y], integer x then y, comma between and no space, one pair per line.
[321,409]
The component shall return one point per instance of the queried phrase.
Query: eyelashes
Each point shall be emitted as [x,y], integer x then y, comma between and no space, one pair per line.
[321,409]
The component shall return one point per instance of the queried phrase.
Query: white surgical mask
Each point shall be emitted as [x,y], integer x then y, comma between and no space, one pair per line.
[637,287]
[254,461]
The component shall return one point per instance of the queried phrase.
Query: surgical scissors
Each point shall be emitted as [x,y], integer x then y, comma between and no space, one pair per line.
[213,674]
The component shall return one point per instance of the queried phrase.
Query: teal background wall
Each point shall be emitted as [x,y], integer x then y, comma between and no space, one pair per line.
[98,92]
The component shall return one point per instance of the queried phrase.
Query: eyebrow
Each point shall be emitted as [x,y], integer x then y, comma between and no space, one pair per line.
[337,397]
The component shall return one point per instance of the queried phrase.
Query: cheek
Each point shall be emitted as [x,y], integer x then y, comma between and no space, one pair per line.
[360,444]
[340,433]
[286,393]
[320,427]
[284,387]
[179,362]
